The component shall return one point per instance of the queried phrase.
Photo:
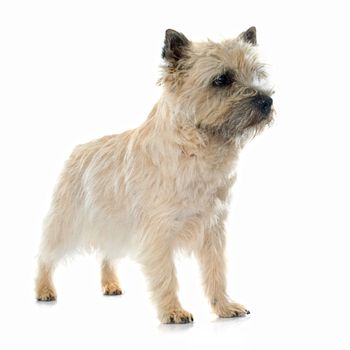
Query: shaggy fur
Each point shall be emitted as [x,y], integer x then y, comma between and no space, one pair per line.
[165,185]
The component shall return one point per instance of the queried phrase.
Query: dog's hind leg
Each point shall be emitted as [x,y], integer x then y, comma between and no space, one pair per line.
[45,290]
[58,240]
[109,280]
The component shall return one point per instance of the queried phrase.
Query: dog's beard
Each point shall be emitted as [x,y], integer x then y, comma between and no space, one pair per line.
[239,125]
[256,125]
[257,121]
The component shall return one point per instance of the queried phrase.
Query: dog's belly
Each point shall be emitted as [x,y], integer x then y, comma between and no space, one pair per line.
[113,236]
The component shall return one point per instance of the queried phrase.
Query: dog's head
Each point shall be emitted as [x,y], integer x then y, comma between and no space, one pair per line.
[219,87]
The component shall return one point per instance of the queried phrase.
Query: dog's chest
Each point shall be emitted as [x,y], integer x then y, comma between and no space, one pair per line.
[201,191]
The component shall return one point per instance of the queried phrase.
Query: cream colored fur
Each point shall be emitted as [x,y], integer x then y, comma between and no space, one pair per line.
[158,188]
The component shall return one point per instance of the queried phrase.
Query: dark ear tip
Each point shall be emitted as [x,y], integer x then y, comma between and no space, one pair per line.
[170,31]
[249,36]
[175,44]
[251,32]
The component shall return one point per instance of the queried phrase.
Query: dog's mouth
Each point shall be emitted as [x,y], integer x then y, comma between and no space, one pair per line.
[257,118]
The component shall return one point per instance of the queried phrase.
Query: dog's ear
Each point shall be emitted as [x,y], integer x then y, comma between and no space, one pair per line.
[249,36]
[175,46]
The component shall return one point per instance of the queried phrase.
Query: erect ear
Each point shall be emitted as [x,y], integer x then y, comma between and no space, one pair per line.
[249,36]
[175,45]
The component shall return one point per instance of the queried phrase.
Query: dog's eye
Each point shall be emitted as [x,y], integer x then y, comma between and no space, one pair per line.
[223,80]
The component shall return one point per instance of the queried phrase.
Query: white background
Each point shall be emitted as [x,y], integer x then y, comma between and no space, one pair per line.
[72,71]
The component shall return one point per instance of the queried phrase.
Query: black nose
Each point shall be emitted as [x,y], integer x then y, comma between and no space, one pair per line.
[263,103]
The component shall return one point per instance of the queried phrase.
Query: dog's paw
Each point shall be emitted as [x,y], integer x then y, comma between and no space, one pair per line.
[231,310]
[111,289]
[46,294]
[177,316]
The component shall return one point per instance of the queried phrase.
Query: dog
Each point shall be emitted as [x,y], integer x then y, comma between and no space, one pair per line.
[165,186]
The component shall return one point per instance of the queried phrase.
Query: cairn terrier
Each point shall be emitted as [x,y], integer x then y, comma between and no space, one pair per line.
[165,185]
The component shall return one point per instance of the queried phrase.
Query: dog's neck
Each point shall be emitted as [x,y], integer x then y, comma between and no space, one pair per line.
[166,133]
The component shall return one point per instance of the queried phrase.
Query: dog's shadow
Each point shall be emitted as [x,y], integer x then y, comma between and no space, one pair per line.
[45,304]
[229,321]
[215,324]
[175,328]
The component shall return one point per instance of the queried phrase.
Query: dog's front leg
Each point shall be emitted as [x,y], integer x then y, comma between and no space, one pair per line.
[158,265]
[211,257]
